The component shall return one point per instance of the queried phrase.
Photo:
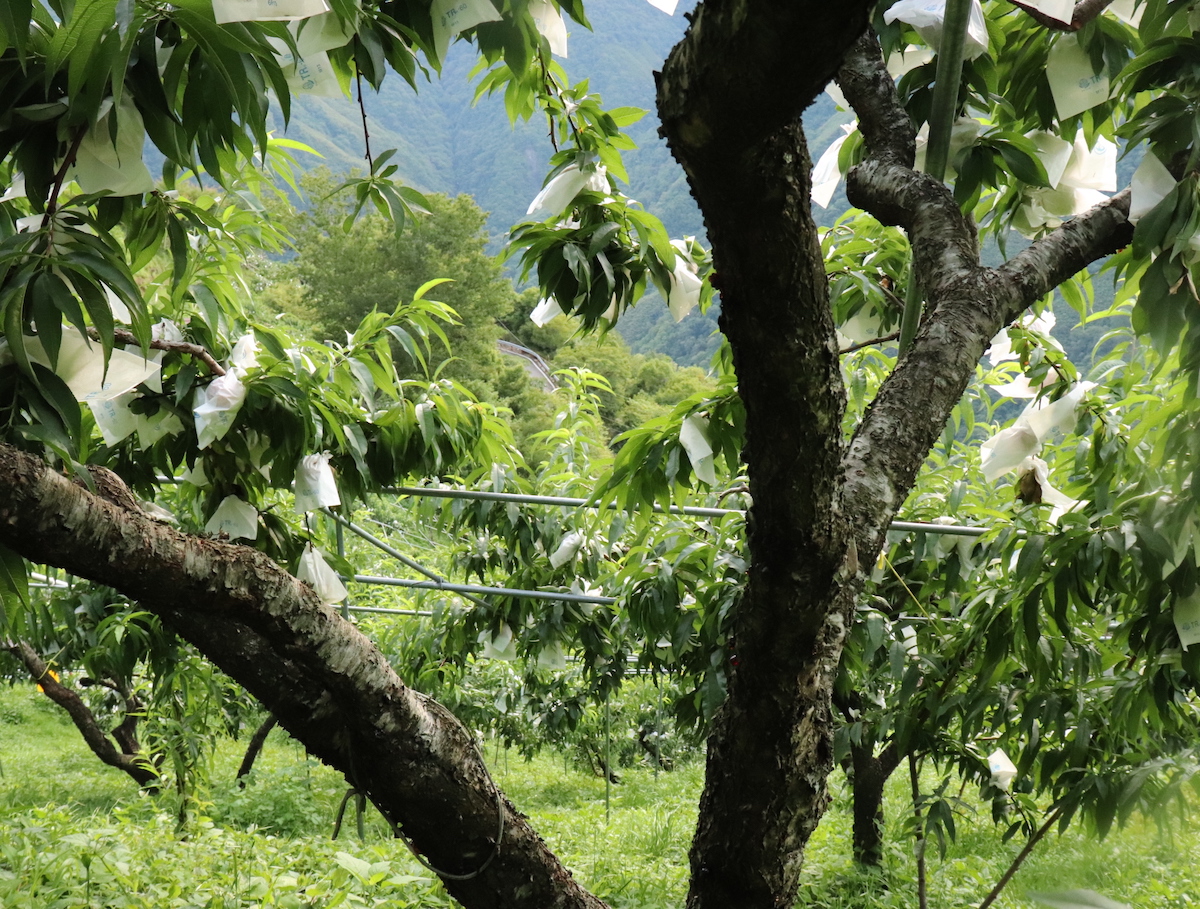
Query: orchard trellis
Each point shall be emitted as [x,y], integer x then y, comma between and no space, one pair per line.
[436,582]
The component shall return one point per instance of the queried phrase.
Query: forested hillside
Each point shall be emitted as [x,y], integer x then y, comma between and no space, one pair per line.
[448,144]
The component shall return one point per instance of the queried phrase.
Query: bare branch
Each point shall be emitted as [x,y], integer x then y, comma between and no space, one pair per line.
[1066,251]
[1021,856]
[127,338]
[1085,11]
[362,109]
[894,336]
[85,721]
[60,175]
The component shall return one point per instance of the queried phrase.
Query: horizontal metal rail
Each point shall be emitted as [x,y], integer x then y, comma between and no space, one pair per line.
[953,530]
[495,591]
[565,502]
[422,612]
[438,581]
[959,530]
[434,492]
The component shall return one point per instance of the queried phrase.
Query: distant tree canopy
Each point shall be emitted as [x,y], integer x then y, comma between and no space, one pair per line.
[339,275]
[345,274]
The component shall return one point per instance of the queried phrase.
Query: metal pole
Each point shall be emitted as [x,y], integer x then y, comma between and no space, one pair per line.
[941,123]
[953,530]
[565,502]
[341,551]
[380,609]
[440,582]
[657,729]
[476,588]
[439,493]
[607,763]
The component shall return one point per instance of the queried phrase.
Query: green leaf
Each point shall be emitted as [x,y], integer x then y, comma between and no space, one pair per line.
[1029,562]
[15,16]
[14,584]
[85,28]
[13,300]
[1023,162]
[626,116]
[1150,233]
[46,315]
[356,866]
[61,398]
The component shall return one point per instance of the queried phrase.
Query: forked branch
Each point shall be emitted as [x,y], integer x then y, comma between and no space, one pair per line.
[1085,11]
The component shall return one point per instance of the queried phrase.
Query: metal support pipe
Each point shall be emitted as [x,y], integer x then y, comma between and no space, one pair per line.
[565,502]
[953,530]
[341,551]
[475,588]
[439,582]
[380,609]
[607,761]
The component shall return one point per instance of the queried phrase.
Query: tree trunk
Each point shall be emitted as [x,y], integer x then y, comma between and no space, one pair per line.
[871,773]
[770,751]
[131,762]
[327,684]
[730,98]
[256,745]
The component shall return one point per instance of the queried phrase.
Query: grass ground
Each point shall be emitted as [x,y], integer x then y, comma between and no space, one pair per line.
[75,834]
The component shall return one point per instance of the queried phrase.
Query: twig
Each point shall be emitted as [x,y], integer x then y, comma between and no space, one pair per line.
[732,490]
[121,336]
[362,109]
[549,80]
[894,336]
[1085,11]
[1021,856]
[60,177]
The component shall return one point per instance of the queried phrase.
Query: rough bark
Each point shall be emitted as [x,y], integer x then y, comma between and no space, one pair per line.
[742,146]
[821,508]
[129,761]
[324,681]
[967,304]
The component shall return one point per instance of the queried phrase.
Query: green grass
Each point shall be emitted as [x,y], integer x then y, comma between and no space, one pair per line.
[76,834]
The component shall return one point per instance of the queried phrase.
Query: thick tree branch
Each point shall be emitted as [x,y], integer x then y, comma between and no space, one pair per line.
[1040,268]
[888,132]
[136,765]
[1085,11]
[967,304]
[943,239]
[329,686]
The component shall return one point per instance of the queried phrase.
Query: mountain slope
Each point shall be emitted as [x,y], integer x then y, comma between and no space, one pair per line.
[446,144]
